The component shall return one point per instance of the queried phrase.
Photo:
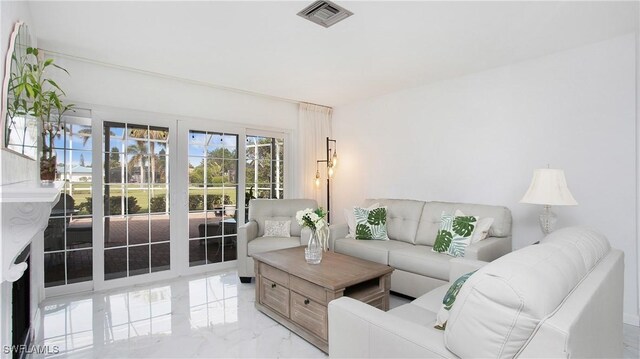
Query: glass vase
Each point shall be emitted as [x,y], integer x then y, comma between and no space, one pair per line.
[48,169]
[313,252]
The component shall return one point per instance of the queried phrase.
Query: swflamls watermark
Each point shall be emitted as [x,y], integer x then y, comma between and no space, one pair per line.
[30,349]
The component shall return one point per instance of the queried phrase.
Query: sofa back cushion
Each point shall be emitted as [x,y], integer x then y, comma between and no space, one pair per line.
[500,306]
[261,210]
[431,215]
[403,216]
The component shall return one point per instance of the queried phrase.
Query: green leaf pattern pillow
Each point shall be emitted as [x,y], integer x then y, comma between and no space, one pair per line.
[371,223]
[454,234]
[449,299]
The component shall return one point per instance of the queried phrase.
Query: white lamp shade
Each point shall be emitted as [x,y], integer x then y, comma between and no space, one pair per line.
[549,187]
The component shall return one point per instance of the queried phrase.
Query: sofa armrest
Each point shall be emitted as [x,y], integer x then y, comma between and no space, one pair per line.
[246,233]
[461,266]
[488,249]
[337,231]
[359,330]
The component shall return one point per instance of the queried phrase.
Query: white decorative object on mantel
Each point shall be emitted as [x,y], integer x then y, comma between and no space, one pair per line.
[25,211]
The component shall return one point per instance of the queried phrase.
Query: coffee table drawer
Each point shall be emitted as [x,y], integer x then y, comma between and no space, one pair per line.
[306,288]
[275,296]
[274,274]
[309,314]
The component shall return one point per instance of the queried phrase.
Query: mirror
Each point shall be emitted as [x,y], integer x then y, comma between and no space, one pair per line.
[20,132]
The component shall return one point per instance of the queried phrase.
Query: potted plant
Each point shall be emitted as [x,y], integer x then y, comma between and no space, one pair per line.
[38,96]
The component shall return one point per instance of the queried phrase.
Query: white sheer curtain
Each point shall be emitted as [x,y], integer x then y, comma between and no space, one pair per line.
[314,126]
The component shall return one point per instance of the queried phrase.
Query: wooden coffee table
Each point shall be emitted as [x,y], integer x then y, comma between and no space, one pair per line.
[296,294]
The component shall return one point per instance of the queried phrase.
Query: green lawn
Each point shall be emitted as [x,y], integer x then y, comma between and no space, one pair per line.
[81,191]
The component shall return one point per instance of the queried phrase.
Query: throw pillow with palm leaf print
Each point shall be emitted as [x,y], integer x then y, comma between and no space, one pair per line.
[454,234]
[371,223]
[445,233]
[463,227]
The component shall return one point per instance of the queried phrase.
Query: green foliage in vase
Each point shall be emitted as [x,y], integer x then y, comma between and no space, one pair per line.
[35,94]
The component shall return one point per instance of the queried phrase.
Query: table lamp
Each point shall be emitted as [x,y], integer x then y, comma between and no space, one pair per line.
[548,188]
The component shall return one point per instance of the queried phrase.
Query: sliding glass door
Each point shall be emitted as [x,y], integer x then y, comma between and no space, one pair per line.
[68,246]
[136,199]
[213,197]
[126,218]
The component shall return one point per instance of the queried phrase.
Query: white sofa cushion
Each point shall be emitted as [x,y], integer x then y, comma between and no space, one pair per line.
[432,300]
[375,251]
[278,210]
[500,306]
[414,314]
[430,219]
[265,244]
[421,260]
[403,216]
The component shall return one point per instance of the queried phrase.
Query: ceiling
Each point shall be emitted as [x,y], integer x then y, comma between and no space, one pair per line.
[264,47]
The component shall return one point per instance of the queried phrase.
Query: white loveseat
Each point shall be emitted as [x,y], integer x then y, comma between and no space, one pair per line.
[250,235]
[412,227]
[561,298]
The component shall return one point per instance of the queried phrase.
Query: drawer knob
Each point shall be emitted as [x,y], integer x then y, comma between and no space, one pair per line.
[273,285]
[306,301]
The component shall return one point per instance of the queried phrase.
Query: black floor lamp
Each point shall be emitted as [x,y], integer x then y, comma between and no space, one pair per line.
[331,160]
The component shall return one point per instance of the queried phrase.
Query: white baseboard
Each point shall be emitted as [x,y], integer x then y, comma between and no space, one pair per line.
[631,319]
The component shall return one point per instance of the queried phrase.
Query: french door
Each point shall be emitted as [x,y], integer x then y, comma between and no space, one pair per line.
[136,205]
[212,175]
[153,198]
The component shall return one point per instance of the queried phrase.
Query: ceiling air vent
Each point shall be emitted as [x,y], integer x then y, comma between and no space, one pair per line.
[325,13]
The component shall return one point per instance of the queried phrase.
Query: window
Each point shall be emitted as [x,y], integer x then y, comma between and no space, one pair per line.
[213,197]
[264,169]
[136,199]
[68,239]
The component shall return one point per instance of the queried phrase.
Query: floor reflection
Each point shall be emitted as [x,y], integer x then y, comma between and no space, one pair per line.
[199,316]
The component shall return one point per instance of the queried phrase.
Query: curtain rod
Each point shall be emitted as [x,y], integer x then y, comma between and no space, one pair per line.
[175,78]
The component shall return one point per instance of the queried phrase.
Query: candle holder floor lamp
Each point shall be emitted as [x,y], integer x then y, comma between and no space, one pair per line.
[331,160]
[548,188]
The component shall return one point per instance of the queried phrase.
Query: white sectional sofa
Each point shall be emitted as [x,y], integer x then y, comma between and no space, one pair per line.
[561,298]
[412,227]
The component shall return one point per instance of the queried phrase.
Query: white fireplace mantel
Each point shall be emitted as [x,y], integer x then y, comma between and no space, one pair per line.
[24,212]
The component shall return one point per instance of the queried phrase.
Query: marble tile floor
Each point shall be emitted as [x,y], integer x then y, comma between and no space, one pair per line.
[210,315]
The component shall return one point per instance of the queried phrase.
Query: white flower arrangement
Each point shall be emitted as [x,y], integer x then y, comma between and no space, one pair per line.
[315,220]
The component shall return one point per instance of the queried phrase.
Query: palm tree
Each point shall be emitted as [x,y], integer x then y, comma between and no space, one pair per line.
[138,151]
[152,135]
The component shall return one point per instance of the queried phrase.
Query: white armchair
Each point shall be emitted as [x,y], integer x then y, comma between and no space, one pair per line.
[250,235]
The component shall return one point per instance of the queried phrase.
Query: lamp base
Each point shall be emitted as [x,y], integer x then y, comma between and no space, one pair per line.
[548,220]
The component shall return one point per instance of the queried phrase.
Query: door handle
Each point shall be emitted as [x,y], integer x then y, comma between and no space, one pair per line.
[273,285]
[306,301]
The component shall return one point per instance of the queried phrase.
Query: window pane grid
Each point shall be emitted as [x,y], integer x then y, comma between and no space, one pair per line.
[213,187]
[69,234]
[137,199]
[264,169]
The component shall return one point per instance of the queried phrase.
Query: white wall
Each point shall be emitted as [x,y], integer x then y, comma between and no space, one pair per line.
[478,138]
[124,89]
